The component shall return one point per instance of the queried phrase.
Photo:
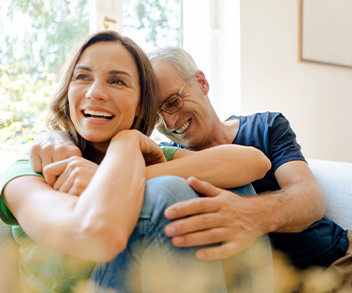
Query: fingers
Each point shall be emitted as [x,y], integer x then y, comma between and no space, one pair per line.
[196,205]
[71,175]
[222,251]
[50,147]
[190,207]
[36,162]
[64,182]
[39,157]
[217,235]
[53,171]
[206,237]
[193,224]
[203,187]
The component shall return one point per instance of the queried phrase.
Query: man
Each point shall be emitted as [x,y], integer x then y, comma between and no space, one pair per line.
[291,205]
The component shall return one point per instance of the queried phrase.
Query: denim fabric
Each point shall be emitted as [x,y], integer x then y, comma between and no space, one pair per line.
[150,263]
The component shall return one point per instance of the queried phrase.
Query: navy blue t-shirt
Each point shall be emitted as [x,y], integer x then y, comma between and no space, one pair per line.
[324,241]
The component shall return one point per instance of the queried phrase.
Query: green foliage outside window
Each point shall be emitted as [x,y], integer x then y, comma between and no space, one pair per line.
[36,37]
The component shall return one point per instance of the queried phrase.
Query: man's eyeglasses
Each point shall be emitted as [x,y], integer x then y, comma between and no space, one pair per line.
[171,105]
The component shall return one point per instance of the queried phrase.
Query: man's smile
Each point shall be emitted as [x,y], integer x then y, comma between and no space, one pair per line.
[183,128]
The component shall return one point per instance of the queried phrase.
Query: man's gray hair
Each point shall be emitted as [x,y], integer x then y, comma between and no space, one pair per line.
[178,57]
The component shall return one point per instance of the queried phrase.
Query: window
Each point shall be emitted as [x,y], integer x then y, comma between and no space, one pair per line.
[35,39]
[37,36]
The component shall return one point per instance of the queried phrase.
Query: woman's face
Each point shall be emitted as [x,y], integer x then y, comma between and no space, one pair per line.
[104,93]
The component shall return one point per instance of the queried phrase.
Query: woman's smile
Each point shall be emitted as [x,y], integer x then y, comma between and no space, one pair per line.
[97,115]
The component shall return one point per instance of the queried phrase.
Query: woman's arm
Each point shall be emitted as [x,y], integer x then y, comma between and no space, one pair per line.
[225,166]
[95,226]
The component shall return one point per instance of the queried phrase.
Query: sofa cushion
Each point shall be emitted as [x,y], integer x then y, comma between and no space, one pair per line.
[336,179]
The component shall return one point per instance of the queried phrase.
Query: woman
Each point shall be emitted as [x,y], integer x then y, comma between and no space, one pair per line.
[107,93]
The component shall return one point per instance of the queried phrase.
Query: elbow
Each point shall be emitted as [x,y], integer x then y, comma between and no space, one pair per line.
[266,165]
[112,248]
[263,164]
[103,242]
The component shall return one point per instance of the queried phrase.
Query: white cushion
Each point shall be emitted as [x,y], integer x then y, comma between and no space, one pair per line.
[336,179]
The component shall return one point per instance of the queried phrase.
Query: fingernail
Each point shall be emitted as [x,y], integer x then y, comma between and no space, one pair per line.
[170,213]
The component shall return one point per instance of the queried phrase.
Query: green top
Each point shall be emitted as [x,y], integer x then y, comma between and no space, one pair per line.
[169,152]
[43,269]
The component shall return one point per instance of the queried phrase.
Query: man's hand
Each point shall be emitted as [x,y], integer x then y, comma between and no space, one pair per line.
[220,217]
[71,175]
[50,147]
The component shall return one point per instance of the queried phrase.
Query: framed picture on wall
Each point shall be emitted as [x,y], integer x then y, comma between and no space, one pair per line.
[326,31]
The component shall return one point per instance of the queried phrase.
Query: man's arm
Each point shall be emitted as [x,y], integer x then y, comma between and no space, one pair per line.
[301,200]
[224,166]
[237,221]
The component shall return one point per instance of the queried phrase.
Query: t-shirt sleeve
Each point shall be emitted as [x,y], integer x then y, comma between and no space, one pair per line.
[19,168]
[283,144]
[169,152]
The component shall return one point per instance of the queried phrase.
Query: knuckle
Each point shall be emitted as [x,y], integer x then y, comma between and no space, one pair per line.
[79,184]
[33,148]
[201,204]
[212,236]
[46,170]
[75,190]
[206,221]
[45,148]
[180,227]
[77,152]
[73,162]
[75,172]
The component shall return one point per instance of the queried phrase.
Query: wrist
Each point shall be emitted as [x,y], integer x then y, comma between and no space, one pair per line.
[269,219]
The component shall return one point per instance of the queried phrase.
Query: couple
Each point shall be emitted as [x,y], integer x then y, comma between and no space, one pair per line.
[109,234]
[293,199]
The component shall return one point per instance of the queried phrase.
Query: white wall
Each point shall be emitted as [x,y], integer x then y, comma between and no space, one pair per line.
[211,34]
[316,98]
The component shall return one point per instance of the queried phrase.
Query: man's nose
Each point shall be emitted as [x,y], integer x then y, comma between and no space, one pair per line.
[97,91]
[169,119]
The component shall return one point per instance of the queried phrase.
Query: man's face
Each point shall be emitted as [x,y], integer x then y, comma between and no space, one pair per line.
[189,125]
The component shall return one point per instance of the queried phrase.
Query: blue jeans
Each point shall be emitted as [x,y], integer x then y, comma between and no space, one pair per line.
[150,263]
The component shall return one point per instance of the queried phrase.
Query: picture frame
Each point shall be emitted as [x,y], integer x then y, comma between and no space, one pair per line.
[326,32]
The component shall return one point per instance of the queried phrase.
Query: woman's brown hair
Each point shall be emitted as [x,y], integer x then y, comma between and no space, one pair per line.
[59,115]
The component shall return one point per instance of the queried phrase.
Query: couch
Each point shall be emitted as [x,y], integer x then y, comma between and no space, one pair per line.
[335,178]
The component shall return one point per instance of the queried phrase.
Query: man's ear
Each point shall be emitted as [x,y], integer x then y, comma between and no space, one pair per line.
[202,82]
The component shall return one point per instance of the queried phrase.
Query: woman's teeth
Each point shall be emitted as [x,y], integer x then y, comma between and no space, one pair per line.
[97,114]
[183,128]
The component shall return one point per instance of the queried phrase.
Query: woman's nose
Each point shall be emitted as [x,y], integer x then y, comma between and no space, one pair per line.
[97,91]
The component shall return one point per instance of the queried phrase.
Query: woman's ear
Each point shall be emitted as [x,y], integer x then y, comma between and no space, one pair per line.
[202,82]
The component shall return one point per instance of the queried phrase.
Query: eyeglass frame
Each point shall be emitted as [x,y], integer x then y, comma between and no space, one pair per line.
[178,94]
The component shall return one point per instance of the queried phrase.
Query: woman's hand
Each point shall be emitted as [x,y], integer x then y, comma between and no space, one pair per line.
[71,175]
[150,150]
[50,147]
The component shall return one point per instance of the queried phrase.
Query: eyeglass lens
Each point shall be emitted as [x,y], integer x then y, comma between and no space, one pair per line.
[173,104]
